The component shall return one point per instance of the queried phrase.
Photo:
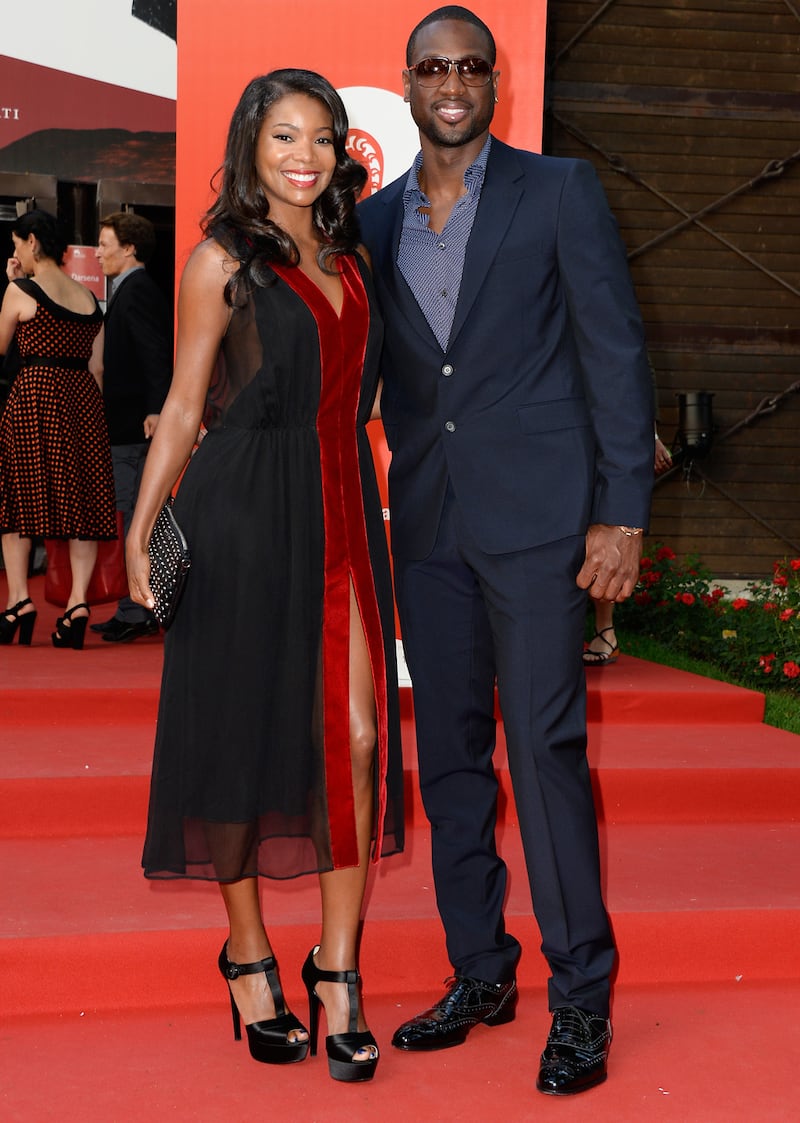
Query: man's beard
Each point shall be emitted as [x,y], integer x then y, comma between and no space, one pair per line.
[456,137]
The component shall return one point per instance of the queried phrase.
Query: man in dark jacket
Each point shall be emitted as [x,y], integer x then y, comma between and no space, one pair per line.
[518,409]
[137,360]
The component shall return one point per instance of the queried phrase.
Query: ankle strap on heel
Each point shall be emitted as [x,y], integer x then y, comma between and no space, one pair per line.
[268,966]
[350,978]
[68,613]
[234,970]
[14,610]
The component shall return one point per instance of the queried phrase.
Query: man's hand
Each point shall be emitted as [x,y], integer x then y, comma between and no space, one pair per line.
[663,457]
[150,425]
[611,567]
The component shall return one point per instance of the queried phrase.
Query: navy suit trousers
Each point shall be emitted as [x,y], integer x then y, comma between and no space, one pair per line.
[470,619]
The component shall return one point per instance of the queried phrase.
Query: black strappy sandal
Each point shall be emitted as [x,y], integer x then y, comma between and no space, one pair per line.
[10,620]
[269,1040]
[601,658]
[340,1047]
[70,629]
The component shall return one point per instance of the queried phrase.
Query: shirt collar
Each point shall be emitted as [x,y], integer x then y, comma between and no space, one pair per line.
[473,176]
[120,277]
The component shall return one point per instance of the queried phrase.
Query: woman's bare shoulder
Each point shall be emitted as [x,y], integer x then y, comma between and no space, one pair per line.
[209,264]
[209,254]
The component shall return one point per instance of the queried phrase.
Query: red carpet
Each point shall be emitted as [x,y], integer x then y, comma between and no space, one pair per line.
[113,1009]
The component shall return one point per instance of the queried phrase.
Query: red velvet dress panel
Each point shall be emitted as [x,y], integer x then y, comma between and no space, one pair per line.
[343,341]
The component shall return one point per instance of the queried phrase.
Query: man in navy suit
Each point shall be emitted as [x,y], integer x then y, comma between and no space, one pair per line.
[517,404]
[137,362]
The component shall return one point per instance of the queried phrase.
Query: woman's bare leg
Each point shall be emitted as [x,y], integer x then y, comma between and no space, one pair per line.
[248,943]
[343,890]
[82,559]
[16,557]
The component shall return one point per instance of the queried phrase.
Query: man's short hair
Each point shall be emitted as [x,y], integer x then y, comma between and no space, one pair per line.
[451,12]
[133,230]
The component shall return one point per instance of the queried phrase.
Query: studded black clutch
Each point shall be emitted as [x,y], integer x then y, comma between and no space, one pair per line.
[169,564]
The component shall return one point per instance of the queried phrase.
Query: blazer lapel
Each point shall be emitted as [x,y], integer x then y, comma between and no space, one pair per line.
[500,195]
[385,266]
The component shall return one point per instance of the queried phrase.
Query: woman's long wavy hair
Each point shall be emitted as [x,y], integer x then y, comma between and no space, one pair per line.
[239,219]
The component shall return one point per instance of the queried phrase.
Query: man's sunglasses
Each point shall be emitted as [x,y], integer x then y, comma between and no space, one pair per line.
[472,71]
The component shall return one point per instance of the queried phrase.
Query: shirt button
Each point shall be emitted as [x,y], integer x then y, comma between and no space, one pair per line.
[450,426]
[441,245]
[448,369]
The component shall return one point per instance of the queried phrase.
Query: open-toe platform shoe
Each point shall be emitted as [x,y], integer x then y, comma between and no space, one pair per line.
[269,1040]
[340,1047]
[71,629]
[10,620]
[601,658]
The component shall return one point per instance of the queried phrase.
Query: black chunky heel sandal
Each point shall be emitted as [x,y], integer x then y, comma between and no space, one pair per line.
[70,629]
[269,1041]
[340,1047]
[8,627]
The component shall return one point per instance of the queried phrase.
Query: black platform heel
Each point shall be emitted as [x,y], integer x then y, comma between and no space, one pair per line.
[269,1040]
[70,629]
[8,628]
[340,1047]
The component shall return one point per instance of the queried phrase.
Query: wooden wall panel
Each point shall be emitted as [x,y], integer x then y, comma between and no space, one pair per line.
[682,108]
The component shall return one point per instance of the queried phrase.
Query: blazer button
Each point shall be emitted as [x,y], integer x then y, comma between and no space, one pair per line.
[450,426]
[448,369]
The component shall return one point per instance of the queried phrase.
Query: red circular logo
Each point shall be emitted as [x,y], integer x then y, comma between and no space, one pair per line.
[365,148]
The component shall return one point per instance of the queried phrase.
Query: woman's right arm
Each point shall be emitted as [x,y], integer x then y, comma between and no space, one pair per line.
[202,321]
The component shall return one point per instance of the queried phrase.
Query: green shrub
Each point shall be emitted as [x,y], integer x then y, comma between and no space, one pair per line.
[753,638]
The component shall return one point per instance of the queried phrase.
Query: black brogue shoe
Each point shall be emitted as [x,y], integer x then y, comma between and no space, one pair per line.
[576,1052]
[118,631]
[466,1003]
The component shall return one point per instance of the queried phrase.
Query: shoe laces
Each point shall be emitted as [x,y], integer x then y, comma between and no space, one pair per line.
[462,991]
[572,1026]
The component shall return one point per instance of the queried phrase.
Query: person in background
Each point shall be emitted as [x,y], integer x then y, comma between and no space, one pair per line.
[55,464]
[602,649]
[518,410]
[137,359]
[277,749]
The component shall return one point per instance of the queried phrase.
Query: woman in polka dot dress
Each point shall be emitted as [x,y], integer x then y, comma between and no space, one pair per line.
[55,461]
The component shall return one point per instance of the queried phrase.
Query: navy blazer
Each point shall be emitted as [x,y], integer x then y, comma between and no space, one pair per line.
[137,356]
[540,411]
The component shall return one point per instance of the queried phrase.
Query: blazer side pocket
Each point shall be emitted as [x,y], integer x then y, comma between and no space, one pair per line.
[548,417]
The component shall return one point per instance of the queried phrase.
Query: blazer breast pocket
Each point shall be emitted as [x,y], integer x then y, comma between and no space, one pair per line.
[515,252]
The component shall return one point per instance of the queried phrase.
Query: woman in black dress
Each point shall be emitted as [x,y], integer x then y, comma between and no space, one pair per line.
[55,461]
[277,751]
